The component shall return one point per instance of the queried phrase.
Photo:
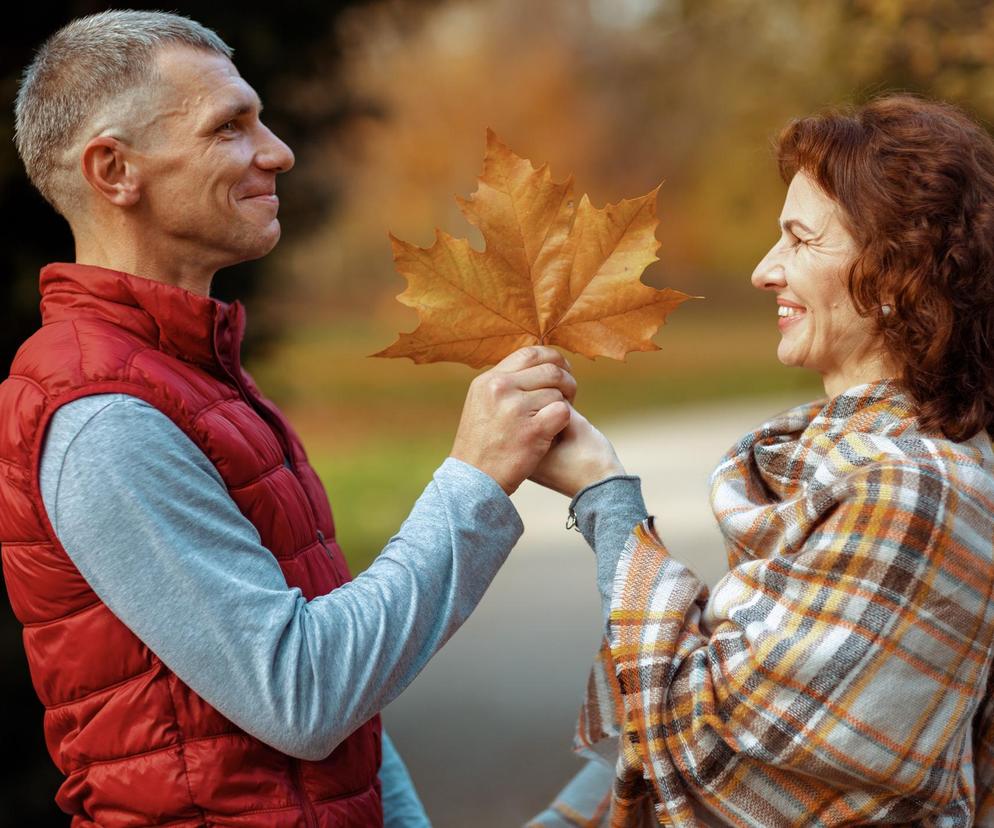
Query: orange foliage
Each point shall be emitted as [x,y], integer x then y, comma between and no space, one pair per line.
[553,272]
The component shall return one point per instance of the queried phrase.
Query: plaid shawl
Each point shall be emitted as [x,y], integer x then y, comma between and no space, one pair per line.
[839,673]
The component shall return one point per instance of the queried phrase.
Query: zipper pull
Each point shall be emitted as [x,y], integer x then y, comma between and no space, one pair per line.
[571,520]
[326,547]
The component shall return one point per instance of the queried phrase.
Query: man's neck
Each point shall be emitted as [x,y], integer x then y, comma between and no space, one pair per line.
[145,261]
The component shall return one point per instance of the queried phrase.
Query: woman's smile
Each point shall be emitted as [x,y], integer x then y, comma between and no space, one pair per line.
[788,314]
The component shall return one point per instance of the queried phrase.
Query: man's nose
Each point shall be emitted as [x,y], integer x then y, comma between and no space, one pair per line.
[274,154]
[769,273]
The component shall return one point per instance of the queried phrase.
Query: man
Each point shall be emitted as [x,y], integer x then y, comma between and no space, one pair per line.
[190,624]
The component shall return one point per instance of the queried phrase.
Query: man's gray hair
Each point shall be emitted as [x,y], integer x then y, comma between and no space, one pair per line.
[80,69]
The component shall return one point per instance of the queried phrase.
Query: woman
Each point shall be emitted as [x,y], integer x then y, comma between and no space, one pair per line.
[839,673]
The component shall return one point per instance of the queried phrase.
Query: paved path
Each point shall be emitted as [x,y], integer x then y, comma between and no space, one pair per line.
[486,728]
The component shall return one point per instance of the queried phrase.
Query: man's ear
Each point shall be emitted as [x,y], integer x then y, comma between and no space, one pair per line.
[109,168]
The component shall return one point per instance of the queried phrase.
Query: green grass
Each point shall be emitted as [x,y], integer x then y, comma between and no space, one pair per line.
[376,429]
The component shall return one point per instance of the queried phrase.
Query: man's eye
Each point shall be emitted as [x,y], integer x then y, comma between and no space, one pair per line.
[226,126]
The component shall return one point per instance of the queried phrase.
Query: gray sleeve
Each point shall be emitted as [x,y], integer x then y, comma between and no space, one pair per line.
[606,512]
[401,806]
[147,520]
[584,800]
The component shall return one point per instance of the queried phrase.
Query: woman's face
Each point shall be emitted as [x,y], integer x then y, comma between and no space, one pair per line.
[807,269]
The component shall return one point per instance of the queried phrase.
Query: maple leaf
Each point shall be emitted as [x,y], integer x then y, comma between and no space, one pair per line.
[553,271]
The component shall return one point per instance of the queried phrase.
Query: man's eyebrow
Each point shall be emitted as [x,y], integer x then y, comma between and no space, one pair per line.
[237,110]
[790,224]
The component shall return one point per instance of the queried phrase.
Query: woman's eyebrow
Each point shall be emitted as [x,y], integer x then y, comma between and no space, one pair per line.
[790,224]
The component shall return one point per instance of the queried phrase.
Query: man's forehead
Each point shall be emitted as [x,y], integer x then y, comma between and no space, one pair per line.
[203,84]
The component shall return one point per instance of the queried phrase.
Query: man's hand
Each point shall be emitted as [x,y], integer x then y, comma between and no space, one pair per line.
[581,456]
[513,412]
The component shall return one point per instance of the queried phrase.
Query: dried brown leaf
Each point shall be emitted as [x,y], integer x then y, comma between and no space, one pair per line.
[553,271]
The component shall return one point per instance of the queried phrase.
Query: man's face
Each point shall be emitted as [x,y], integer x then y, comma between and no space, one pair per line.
[208,165]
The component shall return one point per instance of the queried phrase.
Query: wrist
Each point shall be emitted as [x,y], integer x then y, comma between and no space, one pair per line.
[596,474]
[593,488]
[482,467]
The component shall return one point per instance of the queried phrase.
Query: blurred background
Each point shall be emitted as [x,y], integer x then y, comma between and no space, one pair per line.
[386,105]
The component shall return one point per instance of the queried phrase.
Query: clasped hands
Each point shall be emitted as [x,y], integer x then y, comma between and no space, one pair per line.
[518,423]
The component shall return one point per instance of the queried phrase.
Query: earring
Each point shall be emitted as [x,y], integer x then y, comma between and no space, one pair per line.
[886,310]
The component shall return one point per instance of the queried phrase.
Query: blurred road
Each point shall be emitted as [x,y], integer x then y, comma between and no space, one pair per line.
[486,729]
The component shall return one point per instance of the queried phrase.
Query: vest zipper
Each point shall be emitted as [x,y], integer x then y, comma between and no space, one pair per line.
[265,415]
[310,817]
[326,547]
[267,418]
[274,426]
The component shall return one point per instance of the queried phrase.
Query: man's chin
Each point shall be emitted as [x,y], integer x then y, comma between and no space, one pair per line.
[261,244]
[275,231]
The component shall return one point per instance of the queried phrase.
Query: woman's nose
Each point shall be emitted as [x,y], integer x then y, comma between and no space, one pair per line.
[769,273]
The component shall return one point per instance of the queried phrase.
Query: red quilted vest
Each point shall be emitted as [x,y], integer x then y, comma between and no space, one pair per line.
[139,747]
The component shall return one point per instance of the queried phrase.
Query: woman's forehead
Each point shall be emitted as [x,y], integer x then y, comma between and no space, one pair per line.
[808,203]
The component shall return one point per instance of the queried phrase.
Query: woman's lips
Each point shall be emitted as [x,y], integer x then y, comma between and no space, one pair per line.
[785,322]
[788,313]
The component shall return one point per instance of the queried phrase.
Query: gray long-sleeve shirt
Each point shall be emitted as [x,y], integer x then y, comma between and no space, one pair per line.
[148,521]
[605,512]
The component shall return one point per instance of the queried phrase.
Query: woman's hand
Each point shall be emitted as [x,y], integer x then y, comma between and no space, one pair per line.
[579,456]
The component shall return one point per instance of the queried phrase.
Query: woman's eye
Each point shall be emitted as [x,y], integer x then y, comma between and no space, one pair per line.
[226,126]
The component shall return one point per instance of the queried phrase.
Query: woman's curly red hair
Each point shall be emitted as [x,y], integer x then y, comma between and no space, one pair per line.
[915,180]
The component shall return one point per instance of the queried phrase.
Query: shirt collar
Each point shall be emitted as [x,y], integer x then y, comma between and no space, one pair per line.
[194,328]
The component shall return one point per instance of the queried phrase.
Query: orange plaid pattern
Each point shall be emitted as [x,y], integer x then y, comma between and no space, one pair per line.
[839,674]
